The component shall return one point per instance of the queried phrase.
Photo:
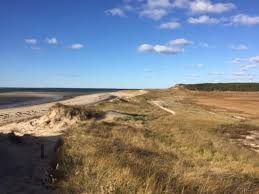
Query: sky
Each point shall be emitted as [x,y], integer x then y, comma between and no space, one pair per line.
[127,43]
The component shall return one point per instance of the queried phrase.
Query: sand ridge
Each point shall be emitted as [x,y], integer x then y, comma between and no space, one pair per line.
[20,141]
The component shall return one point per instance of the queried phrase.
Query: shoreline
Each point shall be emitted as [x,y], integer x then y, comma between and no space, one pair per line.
[17,114]
[24,99]
[26,130]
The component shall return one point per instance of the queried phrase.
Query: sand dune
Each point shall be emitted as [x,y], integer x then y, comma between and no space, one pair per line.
[20,141]
[24,113]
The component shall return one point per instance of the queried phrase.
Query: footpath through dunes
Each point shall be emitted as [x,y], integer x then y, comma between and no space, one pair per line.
[28,148]
[162,106]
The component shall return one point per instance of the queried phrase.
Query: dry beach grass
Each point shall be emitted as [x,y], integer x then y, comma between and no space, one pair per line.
[149,150]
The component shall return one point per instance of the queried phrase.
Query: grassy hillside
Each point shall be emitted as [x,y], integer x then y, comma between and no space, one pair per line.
[246,87]
[152,151]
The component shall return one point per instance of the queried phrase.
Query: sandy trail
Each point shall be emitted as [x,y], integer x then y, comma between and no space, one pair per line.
[161,105]
[22,170]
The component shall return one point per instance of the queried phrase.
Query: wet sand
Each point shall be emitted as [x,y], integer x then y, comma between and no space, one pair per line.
[21,99]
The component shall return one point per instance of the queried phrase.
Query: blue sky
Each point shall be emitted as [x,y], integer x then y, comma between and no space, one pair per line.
[127,43]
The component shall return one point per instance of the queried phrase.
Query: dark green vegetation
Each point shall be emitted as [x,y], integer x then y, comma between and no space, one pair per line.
[152,151]
[244,87]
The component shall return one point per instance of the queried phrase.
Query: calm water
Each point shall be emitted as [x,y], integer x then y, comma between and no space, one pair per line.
[64,90]
[55,94]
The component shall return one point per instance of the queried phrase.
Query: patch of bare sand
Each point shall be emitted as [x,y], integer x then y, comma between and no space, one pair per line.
[129,93]
[234,101]
[243,104]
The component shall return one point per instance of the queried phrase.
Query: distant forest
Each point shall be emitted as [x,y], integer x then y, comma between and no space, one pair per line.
[244,87]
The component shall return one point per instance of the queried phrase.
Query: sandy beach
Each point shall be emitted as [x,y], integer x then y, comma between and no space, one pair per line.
[9,115]
[24,170]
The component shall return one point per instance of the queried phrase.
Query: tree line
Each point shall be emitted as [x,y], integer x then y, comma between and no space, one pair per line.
[245,87]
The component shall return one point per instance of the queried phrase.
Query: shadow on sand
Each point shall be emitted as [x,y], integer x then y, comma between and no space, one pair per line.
[25,163]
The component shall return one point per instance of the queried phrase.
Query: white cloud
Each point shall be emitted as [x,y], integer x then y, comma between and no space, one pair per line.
[237,61]
[204,19]
[52,41]
[240,61]
[206,6]
[160,49]
[35,48]
[240,73]
[247,67]
[76,46]
[155,9]
[242,76]
[200,65]
[145,48]
[240,47]
[204,45]
[254,59]
[170,25]
[245,64]
[148,70]
[217,73]
[167,50]
[181,3]
[159,3]
[155,14]
[195,66]
[180,42]
[115,12]
[30,41]
[243,19]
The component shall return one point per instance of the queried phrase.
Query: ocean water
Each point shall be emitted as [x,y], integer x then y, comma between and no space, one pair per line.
[16,96]
[64,90]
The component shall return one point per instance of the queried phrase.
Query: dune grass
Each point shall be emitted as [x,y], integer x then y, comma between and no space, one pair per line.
[156,152]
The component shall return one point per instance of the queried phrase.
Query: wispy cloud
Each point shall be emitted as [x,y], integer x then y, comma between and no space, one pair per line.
[200,65]
[158,9]
[160,49]
[53,41]
[170,25]
[193,66]
[30,41]
[254,59]
[245,65]
[237,61]
[204,19]
[35,48]
[76,46]
[155,14]
[148,70]
[204,45]
[248,67]
[243,19]
[180,42]
[216,73]
[240,73]
[240,61]
[240,47]
[115,12]
[155,9]
[206,6]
